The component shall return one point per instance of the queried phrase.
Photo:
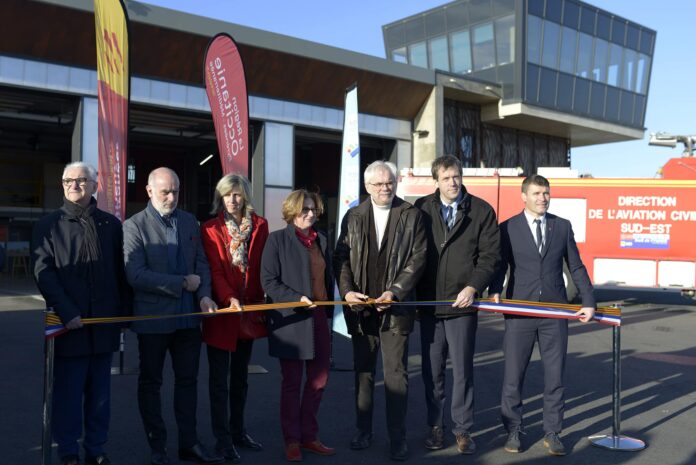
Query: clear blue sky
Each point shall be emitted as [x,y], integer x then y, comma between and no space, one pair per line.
[357,26]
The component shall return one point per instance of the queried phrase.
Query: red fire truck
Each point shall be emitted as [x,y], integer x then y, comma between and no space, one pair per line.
[630,232]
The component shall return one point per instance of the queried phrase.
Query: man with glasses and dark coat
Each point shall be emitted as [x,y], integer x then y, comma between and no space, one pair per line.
[463,255]
[380,255]
[78,266]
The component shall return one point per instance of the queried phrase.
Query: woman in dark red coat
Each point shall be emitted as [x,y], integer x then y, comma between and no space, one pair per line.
[233,242]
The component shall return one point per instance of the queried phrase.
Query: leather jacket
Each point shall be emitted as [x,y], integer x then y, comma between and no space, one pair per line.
[407,246]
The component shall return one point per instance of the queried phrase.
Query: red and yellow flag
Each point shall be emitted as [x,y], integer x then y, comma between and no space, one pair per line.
[111,25]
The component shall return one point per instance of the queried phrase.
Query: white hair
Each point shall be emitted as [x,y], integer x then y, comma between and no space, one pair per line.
[379,165]
[89,169]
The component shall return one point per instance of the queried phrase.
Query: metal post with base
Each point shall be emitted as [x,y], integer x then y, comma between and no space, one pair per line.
[46,441]
[121,369]
[615,440]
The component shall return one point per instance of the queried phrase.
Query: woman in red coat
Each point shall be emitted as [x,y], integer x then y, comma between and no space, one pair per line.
[233,242]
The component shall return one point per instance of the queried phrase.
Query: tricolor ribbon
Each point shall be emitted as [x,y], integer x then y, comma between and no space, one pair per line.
[604,315]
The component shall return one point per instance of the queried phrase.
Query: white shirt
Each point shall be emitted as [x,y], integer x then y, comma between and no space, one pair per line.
[532,226]
[381,216]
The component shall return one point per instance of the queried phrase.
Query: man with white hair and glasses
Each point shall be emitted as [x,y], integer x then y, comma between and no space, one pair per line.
[78,266]
[381,254]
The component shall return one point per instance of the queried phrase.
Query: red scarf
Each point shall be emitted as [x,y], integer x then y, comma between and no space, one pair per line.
[306,240]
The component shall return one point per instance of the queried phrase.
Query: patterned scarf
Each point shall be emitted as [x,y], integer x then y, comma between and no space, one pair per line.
[306,240]
[239,237]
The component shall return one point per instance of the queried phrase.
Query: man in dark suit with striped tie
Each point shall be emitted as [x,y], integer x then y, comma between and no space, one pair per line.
[534,246]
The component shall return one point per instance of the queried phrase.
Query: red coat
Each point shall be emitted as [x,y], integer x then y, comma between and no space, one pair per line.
[222,331]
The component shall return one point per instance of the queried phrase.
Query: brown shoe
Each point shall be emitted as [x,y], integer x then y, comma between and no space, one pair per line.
[436,439]
[465,444]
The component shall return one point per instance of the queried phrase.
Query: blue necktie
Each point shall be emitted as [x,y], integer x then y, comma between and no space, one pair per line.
[449,216]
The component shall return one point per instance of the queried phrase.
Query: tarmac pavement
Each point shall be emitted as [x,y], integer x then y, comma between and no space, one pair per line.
[658,395]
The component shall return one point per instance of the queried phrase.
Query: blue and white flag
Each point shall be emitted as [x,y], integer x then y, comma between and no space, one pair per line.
[349,186]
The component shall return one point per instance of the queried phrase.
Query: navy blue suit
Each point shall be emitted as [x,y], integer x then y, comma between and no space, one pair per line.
[537,277]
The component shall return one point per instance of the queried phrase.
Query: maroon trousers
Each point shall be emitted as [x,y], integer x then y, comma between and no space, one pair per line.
[299,406]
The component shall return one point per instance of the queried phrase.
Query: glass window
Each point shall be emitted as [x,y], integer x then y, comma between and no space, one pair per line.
[568,46]
[612,105]
[479,10]
[582,96]
[399,55]
[435,23]
[599,67]
[642,74]
[279,154]
[584,67]
[553,10]
[547,87]
[505,39]
[632,36]
[587,20]
[439,58]
[630,59]
[646,40]
[503,7]
[484,49]
[532,84]
[549,54]
[417,55]
[534,39]
[618,31]
[457,15]
[414,30]
[614,77]
[603,25]
[536,7]
[571,14]
[597,92]
[460,52]
[394,35]
[639,111]
[564,97]
[626,114]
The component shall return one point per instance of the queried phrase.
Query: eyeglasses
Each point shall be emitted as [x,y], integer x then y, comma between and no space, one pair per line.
[306,210]
[67,182]
[380,185]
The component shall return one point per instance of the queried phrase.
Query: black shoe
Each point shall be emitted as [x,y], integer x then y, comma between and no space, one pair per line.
[230,454]
[199,454]
[98,460]
[247,442]
[513,444]
[398,451]
[465,444]
[553,443]
[70,460]
[436,439]
[361,440]
[159,457]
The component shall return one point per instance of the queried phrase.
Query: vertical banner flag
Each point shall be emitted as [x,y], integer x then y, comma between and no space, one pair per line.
[111,27]
[225,84]
[349,185]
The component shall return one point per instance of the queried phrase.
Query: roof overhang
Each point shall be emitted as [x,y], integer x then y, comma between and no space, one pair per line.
[170,45]
[578,130]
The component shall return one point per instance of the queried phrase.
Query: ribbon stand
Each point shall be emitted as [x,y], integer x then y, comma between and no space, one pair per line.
[46,441]
[615,440]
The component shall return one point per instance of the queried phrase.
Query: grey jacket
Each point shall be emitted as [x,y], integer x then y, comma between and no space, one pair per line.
[156,291]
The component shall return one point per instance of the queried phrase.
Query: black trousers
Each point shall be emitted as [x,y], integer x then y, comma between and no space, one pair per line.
[184,347]
[394,364]
[455,337]
[227,386]
[520,336]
